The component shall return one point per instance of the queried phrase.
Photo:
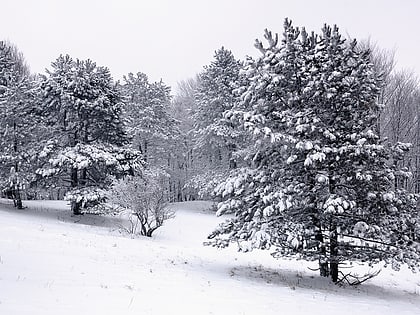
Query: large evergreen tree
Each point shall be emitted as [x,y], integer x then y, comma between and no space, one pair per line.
[320,185]
[83,106]
[17,94]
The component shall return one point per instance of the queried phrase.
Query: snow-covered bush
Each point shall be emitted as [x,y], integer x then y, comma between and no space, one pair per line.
[90,198]
[203,185]
[144,196]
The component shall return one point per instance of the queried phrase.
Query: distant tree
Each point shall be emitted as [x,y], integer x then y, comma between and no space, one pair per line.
[148,120]
[152,127]
[399,120]
[320,185]
[182,164]
[84,107]
[215,138]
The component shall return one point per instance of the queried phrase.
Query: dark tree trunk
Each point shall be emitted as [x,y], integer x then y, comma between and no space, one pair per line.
[324,270]
[179,189]
[74,178]
[145,151]
[18,199]
[333,241]
[17,195]
[83,177]
[323,262]
[150,232]
[75,206]
[232,161]
[334,253]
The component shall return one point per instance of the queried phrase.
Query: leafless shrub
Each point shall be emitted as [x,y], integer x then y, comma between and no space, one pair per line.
[145,197]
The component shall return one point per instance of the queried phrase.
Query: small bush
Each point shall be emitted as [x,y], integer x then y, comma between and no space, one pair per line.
[145,197]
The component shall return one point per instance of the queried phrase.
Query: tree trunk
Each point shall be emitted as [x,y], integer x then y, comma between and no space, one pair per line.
[323,262]
[232,161]
[333,250]
[75,206]
[83,177]
[18,198]
[334,253]
[179,190]
[322,250]
[145,151]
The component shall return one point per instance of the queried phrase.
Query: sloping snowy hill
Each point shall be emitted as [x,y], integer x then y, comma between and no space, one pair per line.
[53,263]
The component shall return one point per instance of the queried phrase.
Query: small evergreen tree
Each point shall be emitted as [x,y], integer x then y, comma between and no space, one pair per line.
[320,185]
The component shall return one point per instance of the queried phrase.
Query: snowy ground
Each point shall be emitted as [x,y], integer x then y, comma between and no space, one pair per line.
[53,263]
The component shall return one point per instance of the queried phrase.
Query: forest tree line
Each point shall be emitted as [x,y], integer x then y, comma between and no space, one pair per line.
[185,135]
[314,145]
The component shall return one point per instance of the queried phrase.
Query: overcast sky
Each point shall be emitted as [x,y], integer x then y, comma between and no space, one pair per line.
[173,39]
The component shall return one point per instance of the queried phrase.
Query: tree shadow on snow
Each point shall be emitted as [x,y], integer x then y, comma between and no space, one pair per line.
[60,211]
[298,280]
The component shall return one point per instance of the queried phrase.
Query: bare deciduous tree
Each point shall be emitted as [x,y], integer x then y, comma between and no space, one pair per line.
[400,118]
[144,196]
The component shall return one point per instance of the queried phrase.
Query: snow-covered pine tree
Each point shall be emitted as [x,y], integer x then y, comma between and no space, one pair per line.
[17,93]
[153,130]
[84,107]
[215,138]
[148,120]
[321,182]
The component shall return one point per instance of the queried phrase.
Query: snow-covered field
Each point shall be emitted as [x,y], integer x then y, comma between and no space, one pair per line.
[53,263]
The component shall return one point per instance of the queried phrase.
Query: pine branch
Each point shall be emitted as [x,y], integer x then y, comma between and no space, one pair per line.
[368,240]
[357,280]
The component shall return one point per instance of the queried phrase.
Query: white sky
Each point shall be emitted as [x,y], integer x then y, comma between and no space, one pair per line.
[173,40]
